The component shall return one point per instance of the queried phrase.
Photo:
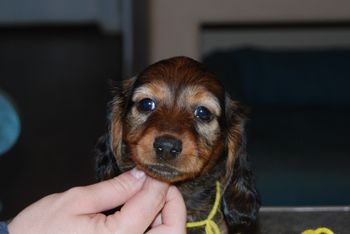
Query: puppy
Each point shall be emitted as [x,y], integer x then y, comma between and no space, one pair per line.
[175,122]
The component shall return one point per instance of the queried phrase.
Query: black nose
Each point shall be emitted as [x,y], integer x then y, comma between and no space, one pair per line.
[167,147]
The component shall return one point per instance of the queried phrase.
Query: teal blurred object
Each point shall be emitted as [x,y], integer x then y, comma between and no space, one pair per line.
[10,125]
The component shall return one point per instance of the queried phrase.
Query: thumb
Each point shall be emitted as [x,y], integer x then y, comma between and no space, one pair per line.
[106,195]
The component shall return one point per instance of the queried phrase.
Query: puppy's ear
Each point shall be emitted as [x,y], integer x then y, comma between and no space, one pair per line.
[240,200]
[106,166]
[118,111]
[110,145]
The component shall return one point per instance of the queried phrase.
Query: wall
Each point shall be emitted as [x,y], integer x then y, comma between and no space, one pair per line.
[104,12]
[174,25]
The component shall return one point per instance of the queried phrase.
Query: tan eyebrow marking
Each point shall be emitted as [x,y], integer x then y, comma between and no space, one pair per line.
[200,96]
[155,90]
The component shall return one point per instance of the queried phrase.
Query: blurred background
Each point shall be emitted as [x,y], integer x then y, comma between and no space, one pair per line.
[286,60]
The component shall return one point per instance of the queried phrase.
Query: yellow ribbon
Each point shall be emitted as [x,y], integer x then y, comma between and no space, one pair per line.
[322,230]
[210,226]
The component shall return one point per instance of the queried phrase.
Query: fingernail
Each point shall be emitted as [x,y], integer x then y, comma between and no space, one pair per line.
[137,173]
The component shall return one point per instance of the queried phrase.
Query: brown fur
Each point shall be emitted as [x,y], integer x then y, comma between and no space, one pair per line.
[211,150]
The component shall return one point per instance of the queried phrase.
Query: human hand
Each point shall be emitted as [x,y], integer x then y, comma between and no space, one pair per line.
[148,203]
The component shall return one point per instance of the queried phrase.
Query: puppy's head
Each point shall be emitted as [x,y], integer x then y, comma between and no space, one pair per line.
[175,122]
[170,120]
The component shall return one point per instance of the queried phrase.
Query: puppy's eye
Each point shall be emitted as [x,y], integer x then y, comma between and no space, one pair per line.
[203,114]
[146,105]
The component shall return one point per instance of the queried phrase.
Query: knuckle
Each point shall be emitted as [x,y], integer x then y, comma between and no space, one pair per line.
[120,185]
[71,196]
[75,192]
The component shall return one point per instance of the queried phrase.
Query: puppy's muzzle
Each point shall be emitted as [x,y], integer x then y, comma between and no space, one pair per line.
[167,147]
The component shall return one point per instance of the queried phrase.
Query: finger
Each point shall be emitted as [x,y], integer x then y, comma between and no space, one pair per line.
[173,214]
[157,221]
[106,195]
[138,213]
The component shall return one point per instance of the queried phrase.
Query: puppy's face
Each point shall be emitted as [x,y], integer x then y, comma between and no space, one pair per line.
[172,126]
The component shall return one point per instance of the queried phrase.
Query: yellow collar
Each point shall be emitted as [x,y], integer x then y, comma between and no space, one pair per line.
[210,226]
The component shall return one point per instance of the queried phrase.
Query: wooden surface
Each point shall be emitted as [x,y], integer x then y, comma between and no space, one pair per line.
[296,220]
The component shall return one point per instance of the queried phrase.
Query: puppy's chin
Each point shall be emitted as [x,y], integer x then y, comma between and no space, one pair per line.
[164,172]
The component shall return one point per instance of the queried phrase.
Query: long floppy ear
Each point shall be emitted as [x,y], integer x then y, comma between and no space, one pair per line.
[106,166]
[110,150]
[240,200]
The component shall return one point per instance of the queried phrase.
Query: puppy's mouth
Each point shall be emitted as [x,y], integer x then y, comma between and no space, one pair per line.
[162,171]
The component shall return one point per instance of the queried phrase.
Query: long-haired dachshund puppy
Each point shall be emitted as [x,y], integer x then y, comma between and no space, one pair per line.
[175,122]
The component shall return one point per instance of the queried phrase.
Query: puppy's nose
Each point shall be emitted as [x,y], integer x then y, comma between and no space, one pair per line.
[167,147]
